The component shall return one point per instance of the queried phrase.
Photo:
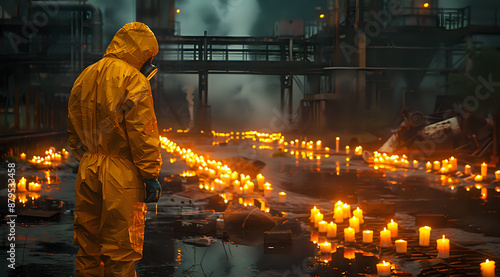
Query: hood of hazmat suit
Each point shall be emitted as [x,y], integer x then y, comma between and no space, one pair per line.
[113,133]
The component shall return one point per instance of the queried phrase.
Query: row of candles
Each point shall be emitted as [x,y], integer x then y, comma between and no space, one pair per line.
[445,166]
[50,156]
[342,211]
[220,176]
[278,137]
[32,186]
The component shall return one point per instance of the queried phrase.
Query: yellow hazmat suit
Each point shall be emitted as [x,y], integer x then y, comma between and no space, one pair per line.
[113,133]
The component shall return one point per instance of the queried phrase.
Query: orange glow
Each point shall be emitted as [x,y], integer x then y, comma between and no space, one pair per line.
[178,11]
[426,5]
[322,15]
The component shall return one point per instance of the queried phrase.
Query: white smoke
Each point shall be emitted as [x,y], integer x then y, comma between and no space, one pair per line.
[239,102]
[188,90]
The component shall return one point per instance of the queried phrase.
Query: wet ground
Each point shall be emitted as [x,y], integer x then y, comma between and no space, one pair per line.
[469,216]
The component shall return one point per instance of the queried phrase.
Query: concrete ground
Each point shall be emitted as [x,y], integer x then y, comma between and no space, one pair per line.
[469,219]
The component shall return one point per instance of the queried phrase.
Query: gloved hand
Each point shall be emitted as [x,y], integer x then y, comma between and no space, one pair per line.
[153,190]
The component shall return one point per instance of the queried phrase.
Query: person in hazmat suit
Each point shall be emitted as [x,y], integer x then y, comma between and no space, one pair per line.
[113,133]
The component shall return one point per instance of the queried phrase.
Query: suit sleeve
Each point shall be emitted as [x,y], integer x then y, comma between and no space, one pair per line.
[141,126]
[74,124]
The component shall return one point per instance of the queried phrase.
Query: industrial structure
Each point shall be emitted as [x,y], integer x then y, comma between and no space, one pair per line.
[357,65]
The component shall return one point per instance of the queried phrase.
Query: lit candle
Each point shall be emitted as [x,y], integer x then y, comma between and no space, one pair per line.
[488,268]
[484,171]
[384,269]
[454,164]
[346,210]
[23,156]
[424,236]
[337,204]
[367,236]
[282,197]
[385,238]
[437,165]
[401,246]
[318,144]
[331,230]
[349,235]
[34,186]
[313,212]
[260,181]
[268,191]
[467,170]
[325,247]
[354,223]
[415,164]
[322,226]
[337,144]
[478,178]
[359,214]
[21,185]
[393,227]
[347,149]
[428,166]
[317,218]
[497,175]
[443,248]
[339,215]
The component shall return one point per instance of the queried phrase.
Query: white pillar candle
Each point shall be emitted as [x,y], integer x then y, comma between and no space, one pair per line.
[384,269]
[260,181]
[385,238]
[313,212]
[331,230]
[268,191]
[337,144]
[337,204]
[443,248]
[349,235]
[428,166]
[424,236]
[325,247]
[346,210]
[488,268]
[339,215]
[347,150]
[497,175]
[484,171]
[322,226]
[354,223]
[454,164]
[318,144]
[415,164]
[367,236]
[393,227]
[282,197]
[359,214]
[317,218]
[436,165]
[467,170]
[401,246]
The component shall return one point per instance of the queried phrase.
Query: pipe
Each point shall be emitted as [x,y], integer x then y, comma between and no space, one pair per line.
[95,23]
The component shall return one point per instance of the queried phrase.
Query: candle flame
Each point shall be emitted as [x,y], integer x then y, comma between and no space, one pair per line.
[443,237]
[392,221]
[487,261]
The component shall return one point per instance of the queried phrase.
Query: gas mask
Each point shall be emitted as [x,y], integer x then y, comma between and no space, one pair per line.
[148,69]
